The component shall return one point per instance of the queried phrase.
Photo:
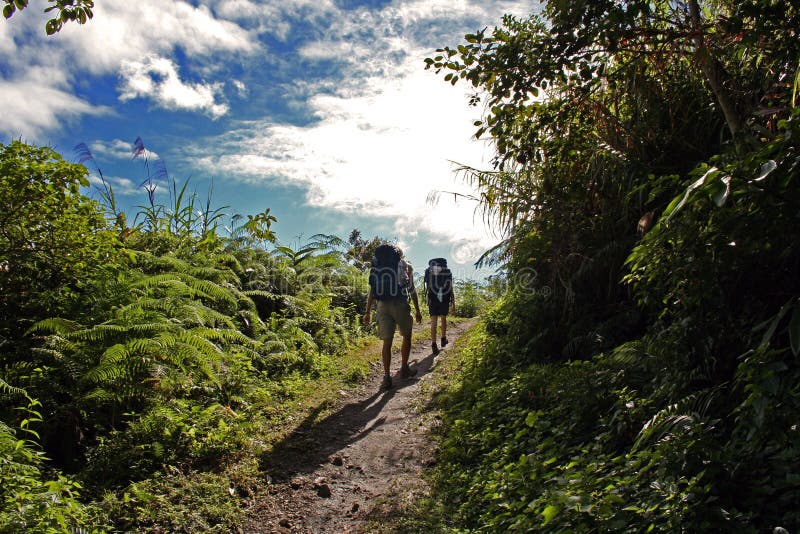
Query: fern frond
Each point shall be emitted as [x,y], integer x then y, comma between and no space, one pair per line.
[230,336]
[167,262]
[52,353]
[118,395]
[208,316]
[167,280]
[7,389]
[230,261]
[60,344]
[217,275]
[263,294]
[201,354]
[150,329]
[213,408]
[250,317]
[190,286]
[166,306]
[181,354]
[99,333]
[101,396]
[661,427]
[194,338]
[273,346]
[247,351]
[123,361]
[54,325]
[210,289]
[104,333]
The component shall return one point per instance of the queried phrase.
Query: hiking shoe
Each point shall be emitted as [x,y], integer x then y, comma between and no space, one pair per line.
[407,372]
[444,342]
[435,349]
[387,382]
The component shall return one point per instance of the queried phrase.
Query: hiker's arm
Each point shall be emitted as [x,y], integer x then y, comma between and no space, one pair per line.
[414,298]
[366,318]
[412,291]
[453,302]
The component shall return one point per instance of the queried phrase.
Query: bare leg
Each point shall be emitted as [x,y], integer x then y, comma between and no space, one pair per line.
[386,355]
[405,350]
[433,328]
[444,327]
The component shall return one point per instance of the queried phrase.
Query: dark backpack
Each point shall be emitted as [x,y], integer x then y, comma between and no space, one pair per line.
[383,275]
[438,279]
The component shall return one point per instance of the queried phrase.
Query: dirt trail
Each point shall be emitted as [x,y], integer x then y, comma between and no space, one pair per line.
[329,474]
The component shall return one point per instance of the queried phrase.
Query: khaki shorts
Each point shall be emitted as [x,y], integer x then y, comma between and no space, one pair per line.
[391,313]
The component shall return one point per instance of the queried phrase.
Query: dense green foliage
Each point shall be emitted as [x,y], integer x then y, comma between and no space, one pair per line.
[640,374]
[472,298]
[140,366]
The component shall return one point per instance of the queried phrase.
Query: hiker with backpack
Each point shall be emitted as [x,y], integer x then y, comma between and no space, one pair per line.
[441,298]
[391,283]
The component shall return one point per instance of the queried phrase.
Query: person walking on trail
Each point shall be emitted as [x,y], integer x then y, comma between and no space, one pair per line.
[441,297]
[391,283]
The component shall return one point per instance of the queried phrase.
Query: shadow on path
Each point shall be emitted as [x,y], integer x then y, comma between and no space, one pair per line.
[313,442]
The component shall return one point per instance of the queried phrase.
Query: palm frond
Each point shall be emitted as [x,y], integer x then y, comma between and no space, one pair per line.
[627,355]
[675,418]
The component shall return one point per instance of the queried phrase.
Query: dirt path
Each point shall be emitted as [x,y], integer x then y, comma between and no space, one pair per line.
[329,474]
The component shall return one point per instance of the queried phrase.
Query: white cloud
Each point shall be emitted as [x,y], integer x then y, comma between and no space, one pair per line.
[276,18]
[127,31]
[241,88]
[377,154]
[157,78]
[39,108]
[387,131]
[317,50]
[122,34]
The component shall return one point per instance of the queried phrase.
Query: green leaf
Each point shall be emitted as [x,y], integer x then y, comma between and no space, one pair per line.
[674,208]
[722,191]
[773,325]
[549,513]
[531,418]
[766,170]
[52,26]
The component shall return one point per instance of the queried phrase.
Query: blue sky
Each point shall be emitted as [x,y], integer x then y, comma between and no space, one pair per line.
[320,110]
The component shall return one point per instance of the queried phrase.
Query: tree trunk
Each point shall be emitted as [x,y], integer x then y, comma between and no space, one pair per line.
[714,73]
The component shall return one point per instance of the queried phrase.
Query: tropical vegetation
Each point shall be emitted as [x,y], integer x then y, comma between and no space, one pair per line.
[144,366]
[640,374]
[637,374]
